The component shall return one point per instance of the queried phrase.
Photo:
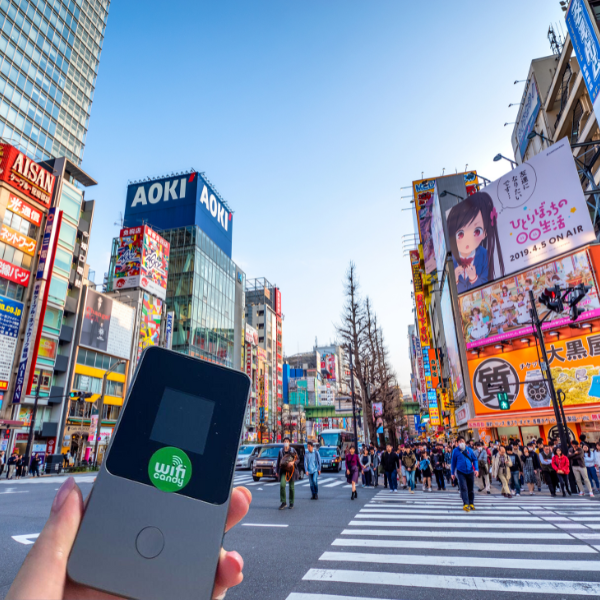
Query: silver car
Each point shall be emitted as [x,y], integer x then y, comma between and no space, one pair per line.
[246,456]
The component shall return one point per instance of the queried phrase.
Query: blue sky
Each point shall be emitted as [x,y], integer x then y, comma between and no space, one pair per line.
[309,117]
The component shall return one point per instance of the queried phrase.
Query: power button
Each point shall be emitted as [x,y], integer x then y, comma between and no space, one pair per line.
[150,542]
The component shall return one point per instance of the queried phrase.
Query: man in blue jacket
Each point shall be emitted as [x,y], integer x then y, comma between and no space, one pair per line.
[465,468]
[312,466]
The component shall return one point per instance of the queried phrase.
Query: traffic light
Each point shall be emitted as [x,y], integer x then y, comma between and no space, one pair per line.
[551,298]
[503,401]
[575,297]
[80,396]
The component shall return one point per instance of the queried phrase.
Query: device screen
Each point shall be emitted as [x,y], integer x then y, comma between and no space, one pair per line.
[192,406]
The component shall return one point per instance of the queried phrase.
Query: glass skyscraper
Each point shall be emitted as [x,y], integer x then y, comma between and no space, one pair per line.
[49,53]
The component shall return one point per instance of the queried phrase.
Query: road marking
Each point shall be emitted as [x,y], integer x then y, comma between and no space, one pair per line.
[262,525]
[525,535]
[584,518]
[461,561]
[296,596]
[462,517]
[334,484]
[26,539]
[471,546]
[437,511]
[426,524]
[585,536]
[270,484]
[12,491]
[479,584]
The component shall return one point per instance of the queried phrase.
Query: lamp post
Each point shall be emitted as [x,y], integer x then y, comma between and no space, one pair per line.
[101,407]
[500,157]
[446,193]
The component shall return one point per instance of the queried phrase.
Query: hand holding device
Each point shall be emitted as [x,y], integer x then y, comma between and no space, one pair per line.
[44,572]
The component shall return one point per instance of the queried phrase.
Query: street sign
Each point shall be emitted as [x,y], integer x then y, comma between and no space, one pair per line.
[503,401]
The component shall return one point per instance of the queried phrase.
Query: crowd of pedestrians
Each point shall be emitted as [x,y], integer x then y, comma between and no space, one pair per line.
[513,468]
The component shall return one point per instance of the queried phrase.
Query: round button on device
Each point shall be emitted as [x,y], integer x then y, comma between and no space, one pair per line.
[150,542]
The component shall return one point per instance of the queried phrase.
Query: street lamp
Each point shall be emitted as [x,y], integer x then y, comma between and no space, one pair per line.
[511,123]
[485,179]
[520,81]
[533,134]
[500,157]
[446,192]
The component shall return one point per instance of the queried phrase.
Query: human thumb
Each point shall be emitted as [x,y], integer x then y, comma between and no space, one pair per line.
[44,572]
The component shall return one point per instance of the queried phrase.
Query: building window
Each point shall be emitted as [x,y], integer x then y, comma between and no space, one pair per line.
[577,121]
[85,383]
[97,360]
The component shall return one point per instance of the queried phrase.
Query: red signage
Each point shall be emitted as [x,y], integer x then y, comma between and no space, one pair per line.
[16,205]
[51,445]
[26,175]
[277,302]
[14,274]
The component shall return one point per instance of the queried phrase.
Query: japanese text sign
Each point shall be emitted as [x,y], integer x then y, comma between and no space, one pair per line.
[575,366]
[21,208]
[530,215]
[17,240]
[530,108]
[11,313]
[25,175]
[422,319]
[587,49]
[500,311]
[14,274]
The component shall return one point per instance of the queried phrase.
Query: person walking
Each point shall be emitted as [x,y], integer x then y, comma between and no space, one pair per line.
[409,460]
[531,464]
[365,467]
[34,468]
[560,464]
[287,472]
[464,468]
[375,468]
[589,456]
[447,461]
[515,471]
[20,467]
[11,463]
[352,470]
[437,461]
[312,467]
[484,467]
[390,464]
[2,461]
[548,473]
[425,467]
[501,464]
[578,465]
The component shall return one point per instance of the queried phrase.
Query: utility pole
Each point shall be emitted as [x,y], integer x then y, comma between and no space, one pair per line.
[32,423]
[353,401]
[101,407]
[558,413]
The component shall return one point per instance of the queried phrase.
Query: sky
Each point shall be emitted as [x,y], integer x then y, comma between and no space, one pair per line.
[310,118]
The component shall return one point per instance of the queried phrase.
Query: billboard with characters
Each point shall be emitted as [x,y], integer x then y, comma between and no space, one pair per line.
[452,349]
[530,215]
[500,311]
[142,261]
[575,366]
[149,322]
[180,201]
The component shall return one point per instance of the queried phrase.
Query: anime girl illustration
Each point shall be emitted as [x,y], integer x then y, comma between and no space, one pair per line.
[499,318]
[474,242]
[522,310]
[479,329]
[506,299]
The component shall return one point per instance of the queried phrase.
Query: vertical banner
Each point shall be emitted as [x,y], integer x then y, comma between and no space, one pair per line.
[169,330]
[37,310]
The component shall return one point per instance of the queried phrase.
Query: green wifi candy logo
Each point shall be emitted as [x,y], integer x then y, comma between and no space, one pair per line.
[170,469]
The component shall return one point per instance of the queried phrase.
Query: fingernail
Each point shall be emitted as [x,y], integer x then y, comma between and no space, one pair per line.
[63,492]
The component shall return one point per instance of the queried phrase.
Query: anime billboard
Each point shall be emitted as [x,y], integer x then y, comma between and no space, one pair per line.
[528,216]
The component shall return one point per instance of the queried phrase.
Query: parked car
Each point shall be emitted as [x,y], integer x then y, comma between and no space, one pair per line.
[331,458]
[246,456]
[265,464]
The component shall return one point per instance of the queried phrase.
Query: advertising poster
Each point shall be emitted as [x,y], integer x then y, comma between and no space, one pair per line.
[251,335]
[107,325]
[501,311]
[575,366]
[438,239]
[47,348]
[149,322]
[11,313]
[142,261]
[169,330]
[452,349]
[586,46]
[530,215]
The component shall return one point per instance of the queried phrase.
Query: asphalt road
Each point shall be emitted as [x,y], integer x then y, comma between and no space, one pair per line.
[400,546]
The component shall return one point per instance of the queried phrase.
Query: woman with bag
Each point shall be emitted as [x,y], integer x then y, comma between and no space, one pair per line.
[560,463]
[531,463]
[365,466]
[501,465]
[352,470]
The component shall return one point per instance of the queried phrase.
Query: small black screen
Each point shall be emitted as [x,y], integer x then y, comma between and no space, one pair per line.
[183,421]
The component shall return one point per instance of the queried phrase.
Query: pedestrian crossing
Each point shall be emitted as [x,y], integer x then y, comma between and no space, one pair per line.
[326,481]
[525,547]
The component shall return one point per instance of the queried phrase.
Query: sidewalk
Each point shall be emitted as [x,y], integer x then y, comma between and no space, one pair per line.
[89,475]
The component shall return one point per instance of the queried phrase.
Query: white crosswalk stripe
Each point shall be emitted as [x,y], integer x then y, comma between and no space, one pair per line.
[525,547]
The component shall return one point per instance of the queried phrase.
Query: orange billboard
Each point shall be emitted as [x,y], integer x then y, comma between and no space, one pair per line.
[574,363]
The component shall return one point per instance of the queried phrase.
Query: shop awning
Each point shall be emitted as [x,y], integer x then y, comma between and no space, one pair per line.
[12,423]
[574,414]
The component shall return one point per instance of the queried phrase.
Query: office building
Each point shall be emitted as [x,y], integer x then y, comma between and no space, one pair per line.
[50,53]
